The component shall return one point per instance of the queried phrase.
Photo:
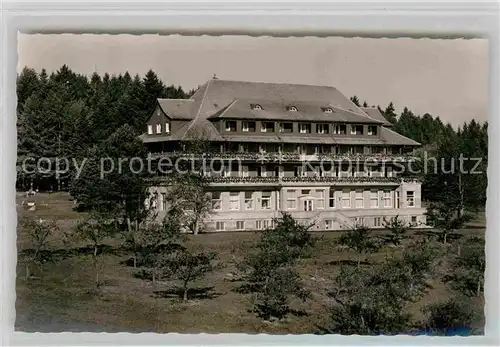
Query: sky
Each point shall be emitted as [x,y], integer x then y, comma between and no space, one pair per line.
[444,77]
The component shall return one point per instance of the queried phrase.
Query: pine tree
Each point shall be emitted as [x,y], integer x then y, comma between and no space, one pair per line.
[390,113]
[355,100]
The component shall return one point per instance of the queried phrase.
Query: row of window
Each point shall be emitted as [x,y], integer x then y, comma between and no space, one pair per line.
[316,200]
[303,128]
[159,129]
[344,201]
[234,201]
[269,127]
[290,148]
[262,224]
[327,170]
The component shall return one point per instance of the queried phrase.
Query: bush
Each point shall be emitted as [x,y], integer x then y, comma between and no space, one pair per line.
[467,268]
[375,300]
[360,240]
[452,317]
[270,270]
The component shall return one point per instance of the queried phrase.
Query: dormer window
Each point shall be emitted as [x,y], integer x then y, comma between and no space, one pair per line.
[339,129]
[286,127]
[372,130]
[267,127]
[327,110]
[150,130]
[291,108]
[304,128]
[256,107]
[158,128]
[248,126]
[230,125]
[167,128]
[357,130]
[322,128]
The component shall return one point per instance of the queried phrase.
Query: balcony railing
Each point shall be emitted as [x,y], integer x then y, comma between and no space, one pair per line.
[280,180]
[287,157]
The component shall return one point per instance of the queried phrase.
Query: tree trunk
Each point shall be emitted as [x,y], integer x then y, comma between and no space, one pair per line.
[460,211]
[154,278]
[185,287]
[129,228]
[359,259]
[27,271]
[95,267]
[445,234]
[135,243]
[478,287]
[195,226]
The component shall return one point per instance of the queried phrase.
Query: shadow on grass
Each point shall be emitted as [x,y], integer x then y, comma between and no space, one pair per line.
[193,293]
[453,236]
[349,262]
[460,331]
[158,250]
[474,226]
[246,288]
[52,255]
[299,313]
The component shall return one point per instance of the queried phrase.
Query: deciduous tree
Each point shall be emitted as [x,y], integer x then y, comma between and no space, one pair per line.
[270,271]
[360,240]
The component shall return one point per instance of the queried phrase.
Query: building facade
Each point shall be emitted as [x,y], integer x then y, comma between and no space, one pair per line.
[306,150]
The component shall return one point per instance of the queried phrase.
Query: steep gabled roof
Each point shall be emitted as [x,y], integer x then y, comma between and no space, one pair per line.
[231,99]
[216,94]
[177,108]
[374,112]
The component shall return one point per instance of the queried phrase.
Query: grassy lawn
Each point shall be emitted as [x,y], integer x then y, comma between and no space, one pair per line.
[58,299]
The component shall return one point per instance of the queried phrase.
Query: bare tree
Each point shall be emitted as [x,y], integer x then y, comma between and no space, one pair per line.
[188,187]
[446,219]
[155,240]
[39,232]
[360,240]
[397,228]
[95,229]
[187,267]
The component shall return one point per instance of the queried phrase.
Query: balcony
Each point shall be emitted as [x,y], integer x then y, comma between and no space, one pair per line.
[285,181]
[279,157]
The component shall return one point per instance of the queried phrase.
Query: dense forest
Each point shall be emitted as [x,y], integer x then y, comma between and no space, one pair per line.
[66,114]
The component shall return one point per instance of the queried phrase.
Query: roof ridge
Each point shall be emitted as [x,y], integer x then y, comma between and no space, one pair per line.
[196,116]
[225,109]
[280,83]
[178,99]
[406,137]
[363,114]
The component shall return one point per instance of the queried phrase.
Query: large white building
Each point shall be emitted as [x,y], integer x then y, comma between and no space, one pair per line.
[307,150]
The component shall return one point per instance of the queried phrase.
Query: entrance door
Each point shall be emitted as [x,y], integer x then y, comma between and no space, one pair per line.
[397,199]
[308,205]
